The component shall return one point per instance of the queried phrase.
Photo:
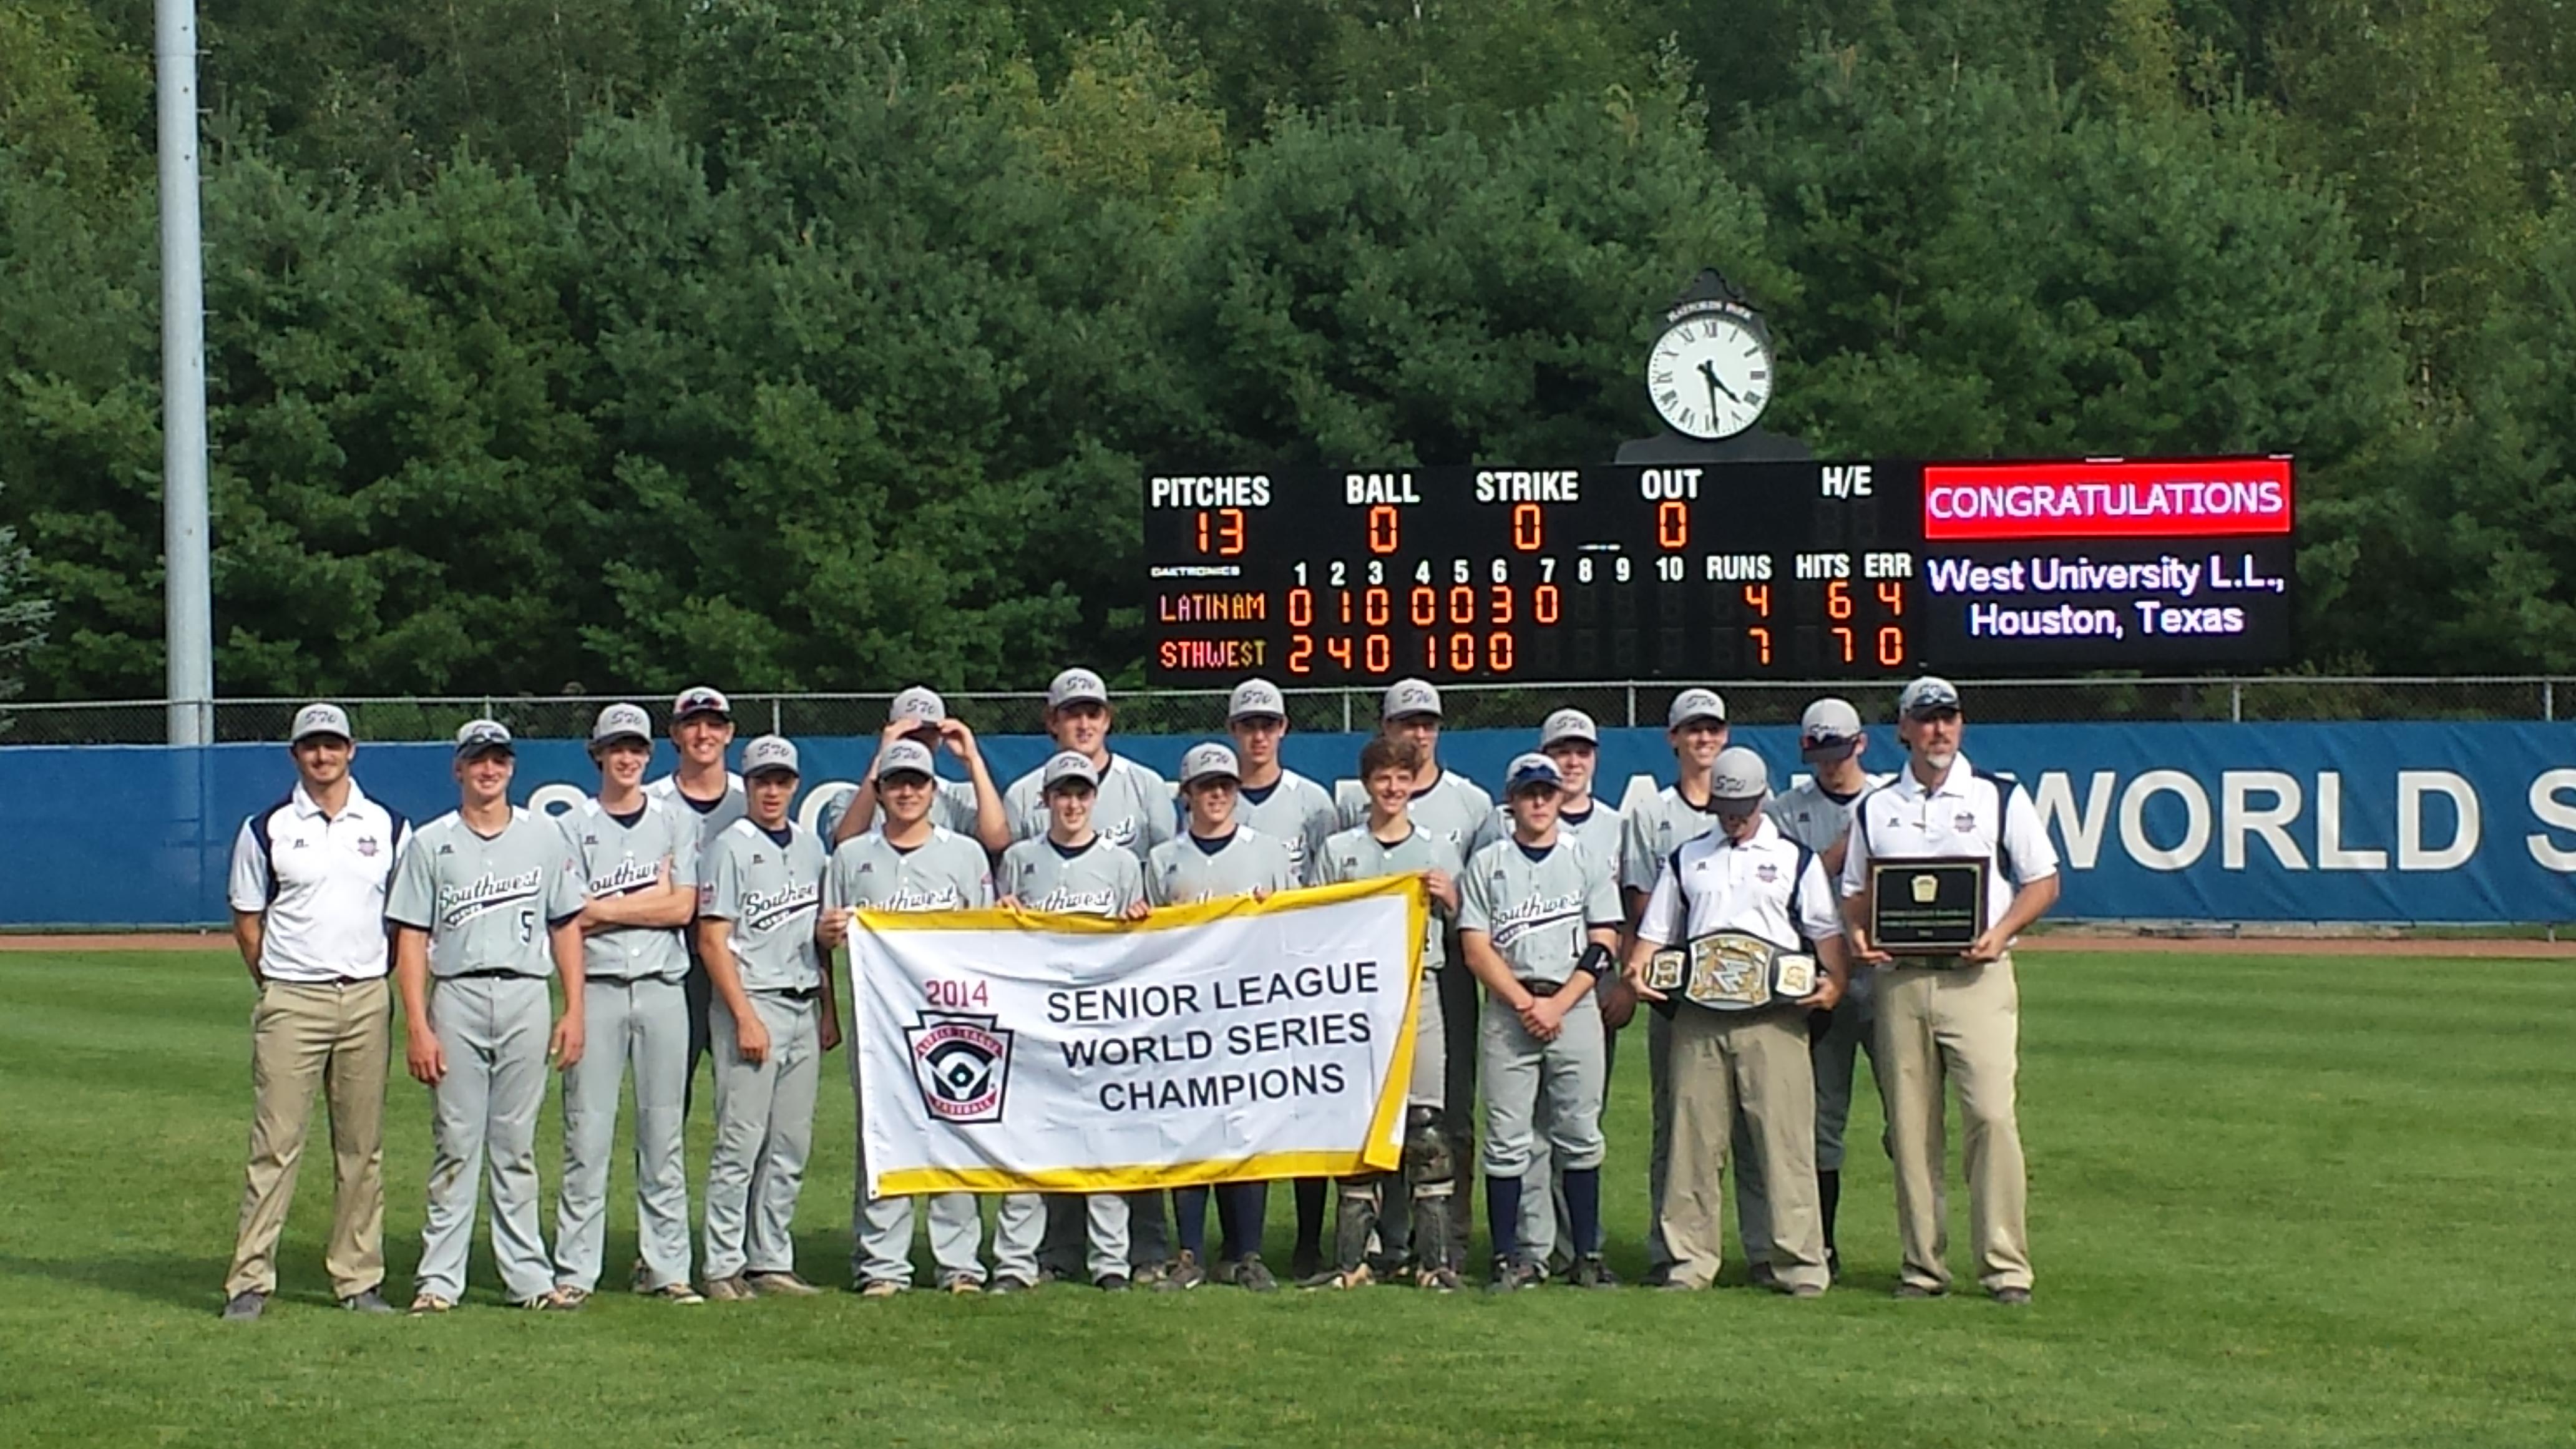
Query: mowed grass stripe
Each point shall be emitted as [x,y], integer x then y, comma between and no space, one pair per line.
[2301,1201]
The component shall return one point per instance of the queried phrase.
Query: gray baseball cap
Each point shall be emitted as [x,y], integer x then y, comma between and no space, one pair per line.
[1069,765]
[1256,699]
[1738,781]
[320,719]
[1209,759]
[1829,730]
[621,722]
[1410,696]
[700,699]
[1929,695]
[483,737]
[906,757]
[770,754]
[1076,686]
[919,706]
[1531,770]
[1695,704]
[1568,724]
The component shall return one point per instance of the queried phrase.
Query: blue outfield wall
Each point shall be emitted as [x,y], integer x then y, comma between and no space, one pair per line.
[2359,822]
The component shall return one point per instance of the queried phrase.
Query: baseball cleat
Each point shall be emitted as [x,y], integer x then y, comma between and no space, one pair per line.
[961,1286]
[1111,1283]
[366,1301]
[1185,1274]
[1511,1276]
[1761,1275]
[1589,1271]
[1443,1279]
[782,1284]
[244,1307]
[1355,1277]
[639,1278]
[424,1305]
[728,1290]
[2012,1297]
[1917,1290]
[553,1300]
[1008,1284]
[877,1288]
[1146,1275]
[1248,1273]
[680,1293]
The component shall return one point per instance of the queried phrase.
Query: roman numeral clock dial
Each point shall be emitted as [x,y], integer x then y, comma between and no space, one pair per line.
[1709,375]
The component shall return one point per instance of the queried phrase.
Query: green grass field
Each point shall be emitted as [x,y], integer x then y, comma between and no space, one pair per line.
[2274,1200]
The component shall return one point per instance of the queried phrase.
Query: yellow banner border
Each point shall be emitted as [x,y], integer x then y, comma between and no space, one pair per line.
[1381,1153]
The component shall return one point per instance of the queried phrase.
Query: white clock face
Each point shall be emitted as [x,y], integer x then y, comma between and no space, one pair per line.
[1709,376]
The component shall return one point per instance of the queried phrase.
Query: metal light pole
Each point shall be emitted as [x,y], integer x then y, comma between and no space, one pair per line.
[189,588]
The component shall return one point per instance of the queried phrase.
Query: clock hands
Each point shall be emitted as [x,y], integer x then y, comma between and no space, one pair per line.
[1708,369]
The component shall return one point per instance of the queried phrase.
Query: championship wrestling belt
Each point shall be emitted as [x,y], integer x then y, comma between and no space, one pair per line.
[1732,971]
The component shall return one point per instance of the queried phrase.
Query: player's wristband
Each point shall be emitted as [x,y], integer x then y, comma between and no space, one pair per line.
[1596,960]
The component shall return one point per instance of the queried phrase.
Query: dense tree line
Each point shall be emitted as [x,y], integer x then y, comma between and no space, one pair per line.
[821,343]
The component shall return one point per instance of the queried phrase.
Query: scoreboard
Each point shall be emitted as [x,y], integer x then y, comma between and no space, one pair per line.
[1718,571]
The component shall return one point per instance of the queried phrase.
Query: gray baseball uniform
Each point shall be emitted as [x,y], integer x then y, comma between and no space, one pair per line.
[1294,811]
[1647,838]
[1100,880]
[488,905]
[1814,817]
[1133,810]
[770,886]
[1357,854]
[634,1015]
[947,872]
[1536,908]
[714,818]
[1192,869]
[1602,834]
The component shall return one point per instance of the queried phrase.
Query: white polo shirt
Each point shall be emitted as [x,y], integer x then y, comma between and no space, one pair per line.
[1968,813]
[1766,886]
[320,880]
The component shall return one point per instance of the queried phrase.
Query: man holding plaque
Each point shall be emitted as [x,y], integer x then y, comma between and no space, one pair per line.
[1945,864]
[1738,942]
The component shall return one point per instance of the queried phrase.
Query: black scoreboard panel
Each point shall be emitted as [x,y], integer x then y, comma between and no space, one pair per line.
[1786,570]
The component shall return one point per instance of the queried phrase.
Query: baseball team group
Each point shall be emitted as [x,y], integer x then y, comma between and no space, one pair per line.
[693,917]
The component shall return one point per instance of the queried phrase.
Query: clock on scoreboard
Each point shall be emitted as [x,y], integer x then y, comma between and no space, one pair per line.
[1718,571]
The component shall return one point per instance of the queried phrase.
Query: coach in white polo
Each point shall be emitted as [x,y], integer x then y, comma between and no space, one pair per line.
[308,900]
[1948,1019]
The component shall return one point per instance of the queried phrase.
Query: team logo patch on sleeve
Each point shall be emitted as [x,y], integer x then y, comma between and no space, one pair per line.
[962,1064]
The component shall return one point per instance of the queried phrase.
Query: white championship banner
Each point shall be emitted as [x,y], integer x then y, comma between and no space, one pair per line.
[1003,1051]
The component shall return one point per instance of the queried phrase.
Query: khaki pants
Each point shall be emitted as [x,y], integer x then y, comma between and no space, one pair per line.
[1723,1064]
[335,1038]
[1937,1027]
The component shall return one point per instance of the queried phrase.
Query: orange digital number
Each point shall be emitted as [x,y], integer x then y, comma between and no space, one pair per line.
[1761,644]
[1339,646]
[1462,604]
[1462,652]
[1757,597]
[1501,605]
[1379,607]
[1423,606]
[1301,608]
[1301,653]
[1221,532]
[1891,646]
[1529,527]
[1843,636]
[1672,525]
[1379,654]
[1382,528]
[1838,601]
[1499,651]
[1545,604]
[1892,594]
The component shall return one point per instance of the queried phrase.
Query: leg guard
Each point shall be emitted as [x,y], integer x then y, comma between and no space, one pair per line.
[1430,1180]
[1357,1222]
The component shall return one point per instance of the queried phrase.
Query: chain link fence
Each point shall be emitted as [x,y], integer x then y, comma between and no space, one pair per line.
[1470,706]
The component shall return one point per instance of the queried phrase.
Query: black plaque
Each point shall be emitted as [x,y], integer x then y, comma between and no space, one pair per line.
[1927,905]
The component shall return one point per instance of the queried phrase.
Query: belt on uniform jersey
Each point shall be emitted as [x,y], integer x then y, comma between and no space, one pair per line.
[1536,987]
[790,993]
[493,974]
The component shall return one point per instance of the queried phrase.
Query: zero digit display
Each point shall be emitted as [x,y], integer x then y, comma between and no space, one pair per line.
[1786,570]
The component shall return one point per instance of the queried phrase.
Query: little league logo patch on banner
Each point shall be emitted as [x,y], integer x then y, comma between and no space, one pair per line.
[963,1064]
